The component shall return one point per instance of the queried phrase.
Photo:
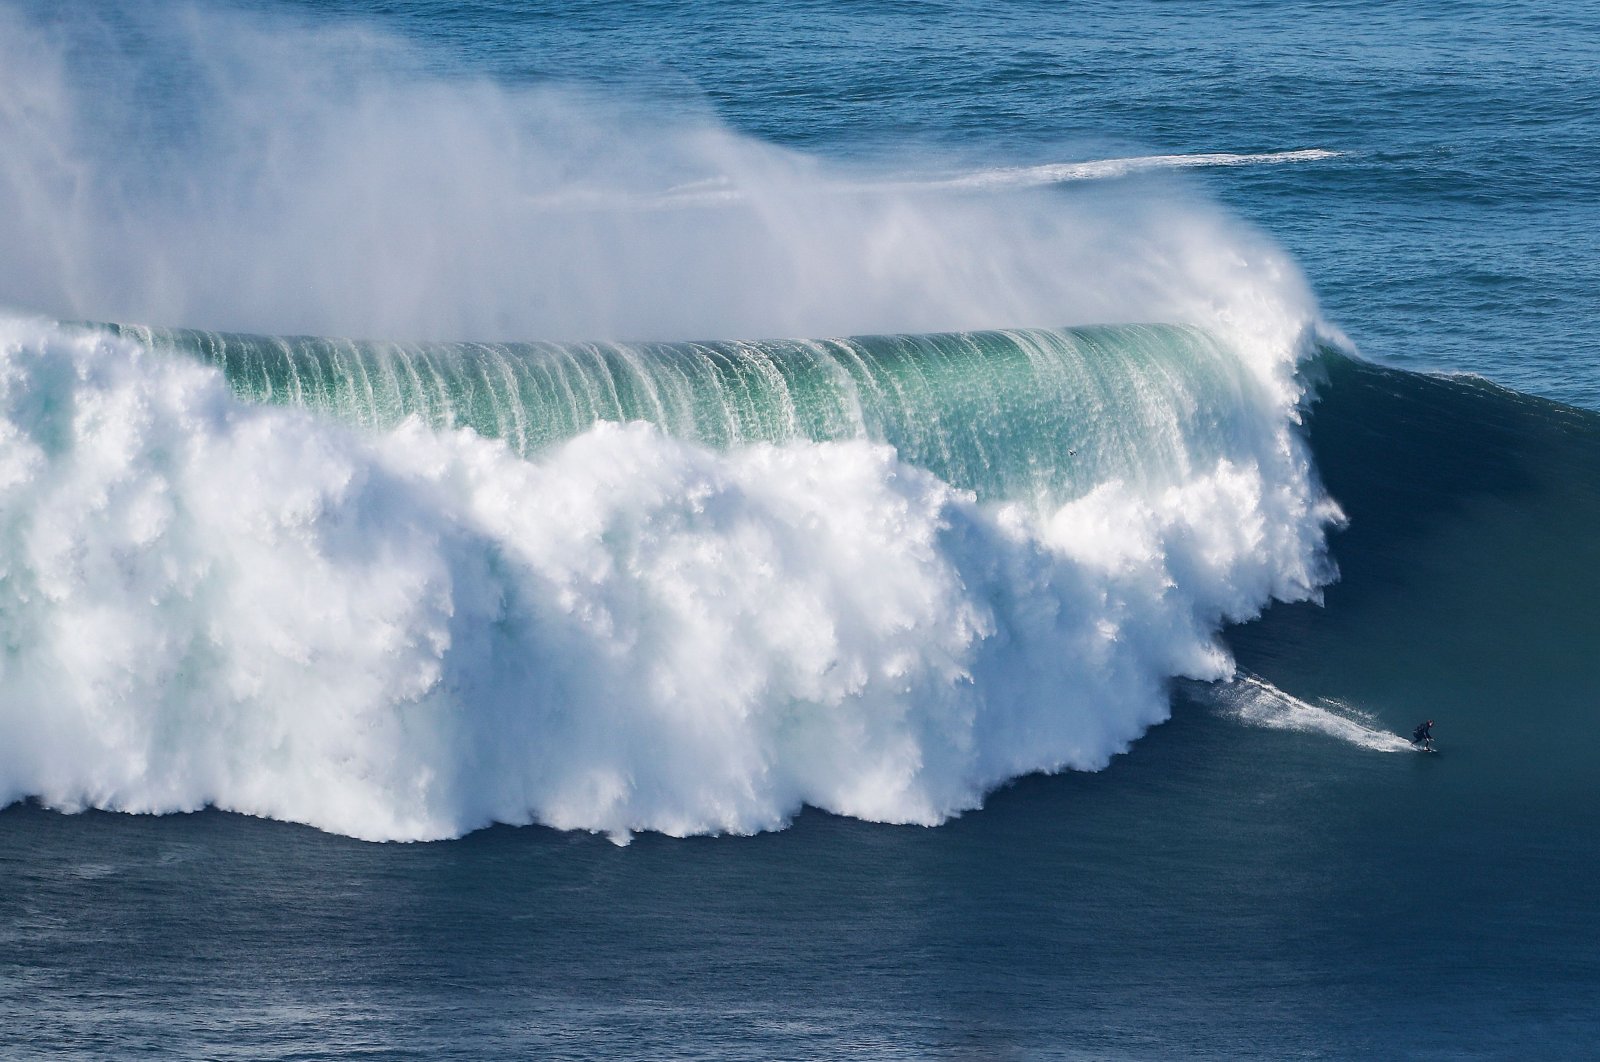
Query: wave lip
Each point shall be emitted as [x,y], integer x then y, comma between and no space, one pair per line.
[1037,413]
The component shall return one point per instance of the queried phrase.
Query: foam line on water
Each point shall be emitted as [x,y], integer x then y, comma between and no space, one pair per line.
[722,190]
[1254,701]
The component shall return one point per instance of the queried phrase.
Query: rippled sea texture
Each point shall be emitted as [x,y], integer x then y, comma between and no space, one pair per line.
[859,697]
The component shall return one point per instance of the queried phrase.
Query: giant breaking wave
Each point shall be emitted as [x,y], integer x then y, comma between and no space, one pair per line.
[404,590]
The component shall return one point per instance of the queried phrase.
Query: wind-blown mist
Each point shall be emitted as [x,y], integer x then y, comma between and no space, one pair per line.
[404,590]
[279,179]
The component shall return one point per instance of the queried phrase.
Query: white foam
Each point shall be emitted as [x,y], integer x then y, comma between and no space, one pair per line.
[412,634]
[991,178]
[1109,169]
[1256,702]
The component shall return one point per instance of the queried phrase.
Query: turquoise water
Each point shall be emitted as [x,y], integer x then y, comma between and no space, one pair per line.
[1028,414]
[764,698]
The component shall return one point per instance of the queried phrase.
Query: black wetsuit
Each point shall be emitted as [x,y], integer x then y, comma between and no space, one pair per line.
[1422,735]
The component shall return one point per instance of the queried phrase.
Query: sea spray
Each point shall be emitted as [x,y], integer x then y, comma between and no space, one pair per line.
[228,171]
[410,632]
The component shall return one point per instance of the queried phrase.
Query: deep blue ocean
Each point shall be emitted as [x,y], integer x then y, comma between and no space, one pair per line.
[810,530]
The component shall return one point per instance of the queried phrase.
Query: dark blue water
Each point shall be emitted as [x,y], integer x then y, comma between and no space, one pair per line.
[1220,890]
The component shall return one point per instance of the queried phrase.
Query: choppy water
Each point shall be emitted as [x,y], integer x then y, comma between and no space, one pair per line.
[900,663]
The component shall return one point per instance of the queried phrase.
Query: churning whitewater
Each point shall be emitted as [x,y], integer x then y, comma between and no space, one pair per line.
[411,631]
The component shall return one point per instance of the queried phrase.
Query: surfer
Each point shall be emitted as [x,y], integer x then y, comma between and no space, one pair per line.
[1423,735]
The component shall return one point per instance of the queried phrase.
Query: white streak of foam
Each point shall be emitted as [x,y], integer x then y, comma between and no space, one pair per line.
[723,190]
[1109,169]
[1256,702]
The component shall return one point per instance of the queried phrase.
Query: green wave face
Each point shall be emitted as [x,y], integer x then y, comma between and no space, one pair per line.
[1015,414]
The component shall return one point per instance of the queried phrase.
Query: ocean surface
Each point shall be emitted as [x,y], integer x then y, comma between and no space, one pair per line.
[806,530]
